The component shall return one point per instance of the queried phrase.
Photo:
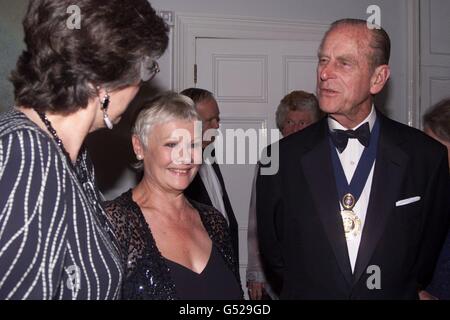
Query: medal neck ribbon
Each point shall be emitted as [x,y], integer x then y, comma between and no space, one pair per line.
[362,171]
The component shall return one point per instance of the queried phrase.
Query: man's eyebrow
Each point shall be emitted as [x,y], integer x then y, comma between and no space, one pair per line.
[347,57]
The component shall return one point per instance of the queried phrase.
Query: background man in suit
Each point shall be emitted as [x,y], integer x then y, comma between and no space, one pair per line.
[296,111]
[358,208]
[208,185]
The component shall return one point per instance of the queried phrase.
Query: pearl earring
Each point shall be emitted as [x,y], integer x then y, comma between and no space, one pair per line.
[139,157]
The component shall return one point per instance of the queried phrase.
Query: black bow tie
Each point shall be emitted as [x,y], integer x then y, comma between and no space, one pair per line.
[340,137]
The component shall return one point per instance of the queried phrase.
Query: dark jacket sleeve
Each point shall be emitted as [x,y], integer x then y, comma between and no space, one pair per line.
[269,221]
[437,215]
[440,285]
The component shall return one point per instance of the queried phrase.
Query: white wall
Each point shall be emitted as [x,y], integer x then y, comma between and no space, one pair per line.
[11,44]
[393,19]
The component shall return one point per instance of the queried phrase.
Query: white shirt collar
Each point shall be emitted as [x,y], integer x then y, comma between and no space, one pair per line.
[371,118]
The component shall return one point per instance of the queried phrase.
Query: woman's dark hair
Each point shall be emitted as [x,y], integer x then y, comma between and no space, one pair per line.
[437,119]
[62,66]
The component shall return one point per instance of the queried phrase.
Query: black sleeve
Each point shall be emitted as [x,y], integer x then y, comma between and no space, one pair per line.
[124,225]
[269,222]
[33,217]
[437,215]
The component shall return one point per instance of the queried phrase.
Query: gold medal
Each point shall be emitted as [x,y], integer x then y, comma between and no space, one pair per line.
[348,201]
[350,220]
[352,224]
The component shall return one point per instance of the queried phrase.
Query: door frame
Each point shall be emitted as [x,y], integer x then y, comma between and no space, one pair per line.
[413,88]
[189,26]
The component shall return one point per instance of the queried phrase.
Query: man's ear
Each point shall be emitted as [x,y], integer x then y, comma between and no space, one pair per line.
[137,146]
[379,78]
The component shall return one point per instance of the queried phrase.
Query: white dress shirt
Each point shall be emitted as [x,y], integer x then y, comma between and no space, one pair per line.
[212,186]
[349,159]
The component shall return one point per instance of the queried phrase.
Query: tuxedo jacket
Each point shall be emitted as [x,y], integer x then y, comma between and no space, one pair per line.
[301,232]
[197,191]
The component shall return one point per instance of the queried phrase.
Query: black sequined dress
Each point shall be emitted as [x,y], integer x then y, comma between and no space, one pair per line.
[148,275]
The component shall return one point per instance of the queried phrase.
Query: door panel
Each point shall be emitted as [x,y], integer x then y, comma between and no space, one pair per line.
[249,78]
[434,52]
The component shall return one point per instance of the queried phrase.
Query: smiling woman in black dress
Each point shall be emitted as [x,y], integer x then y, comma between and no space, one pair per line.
[173,247]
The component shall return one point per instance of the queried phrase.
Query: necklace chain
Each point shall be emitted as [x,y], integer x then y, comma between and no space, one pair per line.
[52,130]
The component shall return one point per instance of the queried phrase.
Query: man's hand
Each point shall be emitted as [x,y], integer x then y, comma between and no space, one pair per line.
[255,290]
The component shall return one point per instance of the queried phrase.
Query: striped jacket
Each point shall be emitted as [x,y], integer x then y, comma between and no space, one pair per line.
[55,240]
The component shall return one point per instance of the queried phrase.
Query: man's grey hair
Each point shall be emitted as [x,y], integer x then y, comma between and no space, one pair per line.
[198,95]
[297,101]
[379,42]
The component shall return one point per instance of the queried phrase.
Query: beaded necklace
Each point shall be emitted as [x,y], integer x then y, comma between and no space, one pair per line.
[52,130]
[91,194]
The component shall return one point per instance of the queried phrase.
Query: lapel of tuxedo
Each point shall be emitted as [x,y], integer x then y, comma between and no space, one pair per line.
[197,191]
[319,174]
[222,186]
[218,174]
[226,200]
[390,168]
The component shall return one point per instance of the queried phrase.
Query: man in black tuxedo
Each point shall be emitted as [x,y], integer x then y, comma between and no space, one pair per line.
[358,208]
[208,186]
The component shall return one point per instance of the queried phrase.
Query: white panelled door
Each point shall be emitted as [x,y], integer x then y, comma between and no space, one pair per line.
[249,78]
[435,52]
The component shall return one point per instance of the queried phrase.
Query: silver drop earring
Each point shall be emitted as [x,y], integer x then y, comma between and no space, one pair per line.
[105,105]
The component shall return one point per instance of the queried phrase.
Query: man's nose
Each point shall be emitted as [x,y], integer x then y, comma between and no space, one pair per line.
[326,72]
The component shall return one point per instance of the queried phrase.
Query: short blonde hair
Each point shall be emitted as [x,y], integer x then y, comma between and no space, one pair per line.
[163,108]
